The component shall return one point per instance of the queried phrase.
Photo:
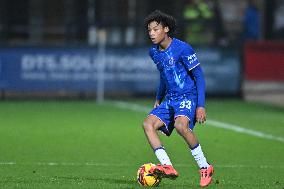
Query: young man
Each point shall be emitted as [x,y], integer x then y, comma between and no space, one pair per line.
[182,87]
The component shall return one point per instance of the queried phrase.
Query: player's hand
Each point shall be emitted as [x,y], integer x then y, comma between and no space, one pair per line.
[200,115]
[157,103]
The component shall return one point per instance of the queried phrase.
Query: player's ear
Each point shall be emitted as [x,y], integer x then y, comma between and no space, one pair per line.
[166,29]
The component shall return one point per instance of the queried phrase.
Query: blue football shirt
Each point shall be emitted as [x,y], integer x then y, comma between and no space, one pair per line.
[174,64]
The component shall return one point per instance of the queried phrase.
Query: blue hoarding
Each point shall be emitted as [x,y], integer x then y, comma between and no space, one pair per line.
[125,70]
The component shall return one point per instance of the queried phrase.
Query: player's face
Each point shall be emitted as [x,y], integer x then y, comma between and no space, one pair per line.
[157,32]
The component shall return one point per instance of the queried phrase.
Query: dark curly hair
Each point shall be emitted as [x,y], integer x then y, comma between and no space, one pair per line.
[161,18]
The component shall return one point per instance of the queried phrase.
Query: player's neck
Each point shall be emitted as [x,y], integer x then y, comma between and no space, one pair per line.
[165,43]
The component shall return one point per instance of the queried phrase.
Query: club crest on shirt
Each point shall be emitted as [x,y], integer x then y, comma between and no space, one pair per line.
[171,61]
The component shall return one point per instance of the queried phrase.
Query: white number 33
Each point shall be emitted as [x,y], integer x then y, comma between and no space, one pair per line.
[185,104]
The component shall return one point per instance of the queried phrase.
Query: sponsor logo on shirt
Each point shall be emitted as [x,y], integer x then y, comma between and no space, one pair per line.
[192,58]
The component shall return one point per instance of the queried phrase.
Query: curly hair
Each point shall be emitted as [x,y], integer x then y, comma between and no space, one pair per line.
[161,18]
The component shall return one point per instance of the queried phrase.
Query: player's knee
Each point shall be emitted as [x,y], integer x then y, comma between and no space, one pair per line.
[148,126]
[181,128]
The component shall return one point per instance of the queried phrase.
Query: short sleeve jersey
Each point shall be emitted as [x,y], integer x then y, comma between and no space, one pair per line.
[174,64]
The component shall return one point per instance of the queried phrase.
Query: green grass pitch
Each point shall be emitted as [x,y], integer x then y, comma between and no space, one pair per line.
[80,144]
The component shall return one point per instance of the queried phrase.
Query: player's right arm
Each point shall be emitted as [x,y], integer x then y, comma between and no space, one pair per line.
[161,91]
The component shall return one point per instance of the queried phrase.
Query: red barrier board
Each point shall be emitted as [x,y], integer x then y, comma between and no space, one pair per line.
[264,61]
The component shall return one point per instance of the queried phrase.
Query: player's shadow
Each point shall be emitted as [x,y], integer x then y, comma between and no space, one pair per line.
[119,181]
[108,180]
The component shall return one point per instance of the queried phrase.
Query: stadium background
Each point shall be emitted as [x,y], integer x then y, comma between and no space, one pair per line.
[53,48]
[58,58]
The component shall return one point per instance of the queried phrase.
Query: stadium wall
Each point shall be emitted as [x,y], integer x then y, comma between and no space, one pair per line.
[264,72]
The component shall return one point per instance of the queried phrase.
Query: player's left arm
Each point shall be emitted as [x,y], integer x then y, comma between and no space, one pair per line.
[192,64]
[200,84]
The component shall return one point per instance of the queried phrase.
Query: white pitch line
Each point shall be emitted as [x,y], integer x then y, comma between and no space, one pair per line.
[243,130]
[214,123]
[128,165]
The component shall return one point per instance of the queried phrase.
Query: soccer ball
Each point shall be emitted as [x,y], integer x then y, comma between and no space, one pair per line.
[144,178]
